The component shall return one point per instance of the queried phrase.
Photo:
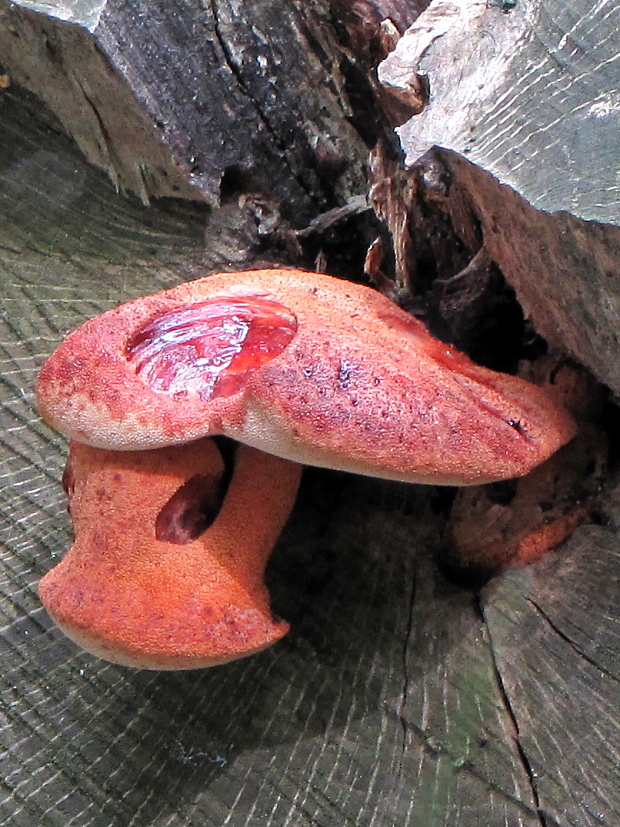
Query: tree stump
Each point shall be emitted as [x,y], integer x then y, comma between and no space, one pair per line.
[146,144]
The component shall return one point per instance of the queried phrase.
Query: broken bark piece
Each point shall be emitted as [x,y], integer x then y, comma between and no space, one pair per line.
[165,572]
[173,99]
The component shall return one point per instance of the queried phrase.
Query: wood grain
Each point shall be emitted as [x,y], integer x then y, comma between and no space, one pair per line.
[397,698]
[173,99]
[527,92]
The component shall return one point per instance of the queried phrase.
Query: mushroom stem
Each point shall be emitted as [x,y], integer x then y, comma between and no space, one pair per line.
[164,573]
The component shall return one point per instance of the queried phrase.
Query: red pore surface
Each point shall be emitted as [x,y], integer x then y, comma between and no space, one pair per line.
[209,346]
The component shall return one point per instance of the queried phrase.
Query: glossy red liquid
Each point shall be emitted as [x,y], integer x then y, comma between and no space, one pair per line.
[210,346]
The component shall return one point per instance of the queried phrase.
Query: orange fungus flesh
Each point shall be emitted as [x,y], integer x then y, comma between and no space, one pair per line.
[301,365]
[143,585]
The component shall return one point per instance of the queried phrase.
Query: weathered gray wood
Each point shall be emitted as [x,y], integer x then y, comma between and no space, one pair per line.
[171,98]
[524,118]
[392,701]
[555,633]
[527,90]
[564,270]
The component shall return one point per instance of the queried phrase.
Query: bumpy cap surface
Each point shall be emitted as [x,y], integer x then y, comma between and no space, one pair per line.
[304,366]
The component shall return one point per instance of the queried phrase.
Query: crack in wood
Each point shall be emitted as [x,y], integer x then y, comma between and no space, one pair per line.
[236,72]
[6,249]
[106,141]
[503,694]
[435,750]
[406,677]
[573,645]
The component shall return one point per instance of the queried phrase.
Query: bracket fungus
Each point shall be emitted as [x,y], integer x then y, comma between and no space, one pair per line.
[305,367]
[166,571]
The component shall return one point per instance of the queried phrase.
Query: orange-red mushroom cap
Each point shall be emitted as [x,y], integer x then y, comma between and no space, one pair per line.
[304,366]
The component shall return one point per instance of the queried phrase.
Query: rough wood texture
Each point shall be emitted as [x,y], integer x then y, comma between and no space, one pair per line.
[564,270]
[524,109]
[559,672]
[397,698]
[172,98]
[527,90]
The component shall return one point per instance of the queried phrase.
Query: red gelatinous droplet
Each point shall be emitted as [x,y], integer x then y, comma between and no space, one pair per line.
[210,346]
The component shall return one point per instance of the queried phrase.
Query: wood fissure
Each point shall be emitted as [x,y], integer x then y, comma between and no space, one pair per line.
[573,645]
[407,640]
[264,119]
[512,716]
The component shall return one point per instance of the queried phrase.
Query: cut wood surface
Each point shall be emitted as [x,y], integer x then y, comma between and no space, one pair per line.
[522,126]
[396,699]
[525,89]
